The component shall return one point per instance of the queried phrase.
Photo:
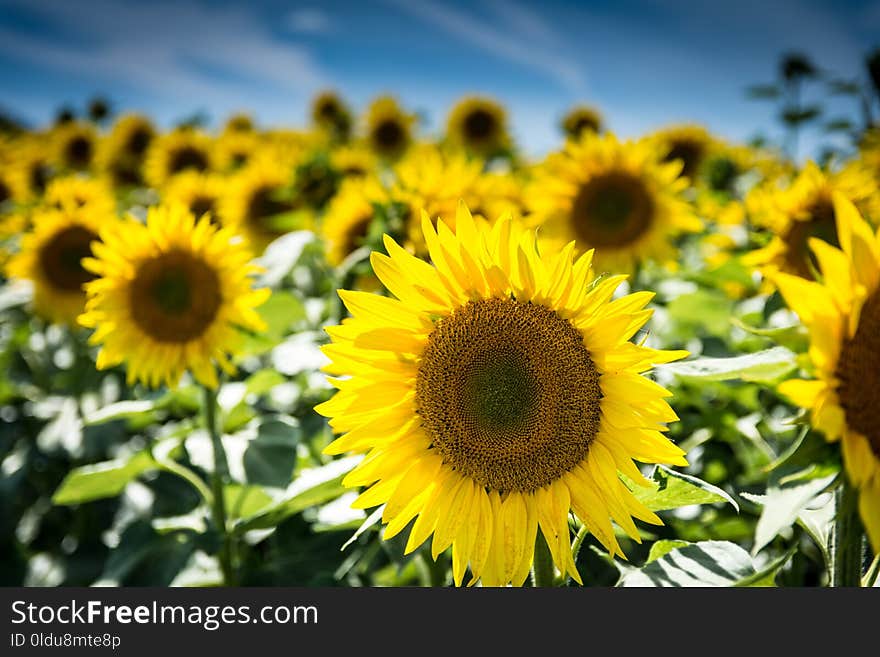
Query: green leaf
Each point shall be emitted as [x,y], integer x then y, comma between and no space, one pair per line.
[270,457]
[702,309]
[664,547]
[123,410]
[279,312]
[707,563]
[763,367]
[245,501]
[782,505]
[794,337]
[100,480]
[311,488]
[263,381]
[673,489]
[372,520]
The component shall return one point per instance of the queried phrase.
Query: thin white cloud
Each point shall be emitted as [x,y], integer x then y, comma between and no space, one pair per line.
[515,43]
[176,50]
[309,20]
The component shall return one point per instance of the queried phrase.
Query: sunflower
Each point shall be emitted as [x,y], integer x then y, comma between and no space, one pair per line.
[349,217]
[10,188]
[580,119]
[353,161]
[688,143]
[388,128]
[842,314]
[32,170]
[121,154]
[800,211]
[330,113]
[429,179]
[75,146]
[239,122]
[178,151]
[234,149]
[170,296]
[51,258]
[77,191]
[498,392]
[479,125]
[256,201]
[614,196]
[199,192]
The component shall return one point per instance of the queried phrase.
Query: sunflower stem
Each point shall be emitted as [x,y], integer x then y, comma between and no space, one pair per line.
[847,546]
[219,478]
[543,573]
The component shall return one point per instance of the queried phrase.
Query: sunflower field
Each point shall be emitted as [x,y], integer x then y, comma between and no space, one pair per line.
[361,353]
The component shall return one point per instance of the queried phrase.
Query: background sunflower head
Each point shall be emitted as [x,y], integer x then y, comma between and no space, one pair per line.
[478,124]
[388,128]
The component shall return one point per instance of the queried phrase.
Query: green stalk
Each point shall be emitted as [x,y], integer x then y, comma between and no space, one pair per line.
[848,533]
[219,479]
[543,573]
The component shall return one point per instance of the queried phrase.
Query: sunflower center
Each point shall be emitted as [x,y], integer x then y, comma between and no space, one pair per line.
[175,297]
[613,209]
[858,370]
[39,177]
[389,135]
[585,124]
[61,258]
[479,125]
[689,152]
[202,204]
[79,152]
[357,233]
[5,194]
[138,142]
[721,174]
[508,394]
[187,158]
[820,223]
[263,206]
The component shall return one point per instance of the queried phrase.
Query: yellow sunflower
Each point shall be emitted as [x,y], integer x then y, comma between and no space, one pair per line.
[688,143]
[174,153]
[77,191]
[121,154]
[75,146]
[613,196]
[388,128]
[51,258]
[234,149]
[580,119]
[353,161]
[800,211]
[330,113]
[199,192]
[32,170]
[10,188]
[495,394]
[429,179]
[239,122]
[170,295]
[255,201]
[478,125]
[349,217]
[842,314]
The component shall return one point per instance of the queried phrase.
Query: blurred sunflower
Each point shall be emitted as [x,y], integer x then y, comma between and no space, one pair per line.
[429,179]
[77,191]
[255,202]
[581,119]
[174,153]
[478,125]
[170,296]
[234,149]
[803,210]
[32,171]
[614,196]
[349,217]
[199,192]
[10,188]
[496,393]
[51,258]
[75,146]
[239,122]
[688,143]
[842,314]
[330,113]
[121,154]
[353,161]
[388,128]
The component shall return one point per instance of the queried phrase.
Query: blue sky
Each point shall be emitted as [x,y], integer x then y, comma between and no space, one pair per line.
[644,63]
